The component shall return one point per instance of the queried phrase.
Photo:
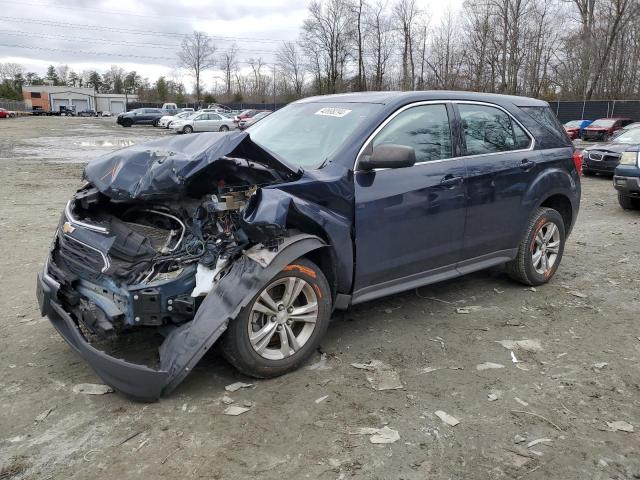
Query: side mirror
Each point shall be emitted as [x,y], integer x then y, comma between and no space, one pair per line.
[388,156]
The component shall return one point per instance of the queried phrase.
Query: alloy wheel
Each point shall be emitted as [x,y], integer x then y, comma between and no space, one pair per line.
[546,248]
[283,318]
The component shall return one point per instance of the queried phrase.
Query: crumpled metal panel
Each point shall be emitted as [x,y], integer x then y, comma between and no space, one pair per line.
[161,168]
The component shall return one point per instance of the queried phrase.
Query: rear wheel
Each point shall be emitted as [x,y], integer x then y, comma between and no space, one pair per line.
[282,325]
[540,250]
[155,122]
[627,202]
[187,129]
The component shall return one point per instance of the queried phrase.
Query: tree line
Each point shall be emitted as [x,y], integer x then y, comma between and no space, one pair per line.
[550,49]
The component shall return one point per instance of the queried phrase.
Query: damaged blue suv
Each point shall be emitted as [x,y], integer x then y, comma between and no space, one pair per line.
[251,239]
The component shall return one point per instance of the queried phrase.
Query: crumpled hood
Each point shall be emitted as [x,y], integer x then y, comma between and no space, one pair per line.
[161,168]
[612,147]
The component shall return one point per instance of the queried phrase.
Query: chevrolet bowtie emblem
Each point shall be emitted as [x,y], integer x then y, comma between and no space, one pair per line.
[68,228]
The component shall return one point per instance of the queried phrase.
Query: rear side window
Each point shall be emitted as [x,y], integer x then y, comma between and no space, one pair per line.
[425,128]
[488,129]
[545,117]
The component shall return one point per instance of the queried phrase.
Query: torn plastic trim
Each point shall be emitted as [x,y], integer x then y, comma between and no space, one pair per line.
[185,345]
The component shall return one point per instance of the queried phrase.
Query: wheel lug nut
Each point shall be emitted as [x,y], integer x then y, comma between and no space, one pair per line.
[273,319]
[280,307]
[290,309]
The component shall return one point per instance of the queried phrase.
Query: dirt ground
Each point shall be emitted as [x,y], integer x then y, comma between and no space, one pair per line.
[584,376]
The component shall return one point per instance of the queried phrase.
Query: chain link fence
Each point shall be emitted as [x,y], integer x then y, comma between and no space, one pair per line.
[594,109]
[13,105]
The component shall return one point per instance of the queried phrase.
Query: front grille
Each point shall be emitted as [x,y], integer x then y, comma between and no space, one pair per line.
[80,258]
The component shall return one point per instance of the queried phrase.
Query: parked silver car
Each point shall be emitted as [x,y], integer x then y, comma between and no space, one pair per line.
[203,122]
[167,120]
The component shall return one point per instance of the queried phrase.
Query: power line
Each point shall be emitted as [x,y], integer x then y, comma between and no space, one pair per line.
[86,40]
[108,12]
[131,31]
[80,52]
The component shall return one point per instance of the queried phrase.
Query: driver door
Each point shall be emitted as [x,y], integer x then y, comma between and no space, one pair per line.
[409,222]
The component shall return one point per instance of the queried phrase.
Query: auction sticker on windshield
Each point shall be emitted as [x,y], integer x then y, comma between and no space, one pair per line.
[333,112]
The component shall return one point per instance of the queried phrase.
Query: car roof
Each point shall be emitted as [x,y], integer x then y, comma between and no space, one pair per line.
[386,98]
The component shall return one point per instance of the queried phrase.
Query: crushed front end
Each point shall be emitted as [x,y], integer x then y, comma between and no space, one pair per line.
[143,244]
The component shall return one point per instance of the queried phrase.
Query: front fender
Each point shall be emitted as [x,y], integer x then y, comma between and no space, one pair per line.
[186,345]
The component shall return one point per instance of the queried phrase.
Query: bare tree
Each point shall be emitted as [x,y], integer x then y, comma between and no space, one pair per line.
[328,30]
[229,63]
[290,66]
[380,42]
[406,12]
[197,55]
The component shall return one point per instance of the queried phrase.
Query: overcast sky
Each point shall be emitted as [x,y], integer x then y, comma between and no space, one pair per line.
[144,35]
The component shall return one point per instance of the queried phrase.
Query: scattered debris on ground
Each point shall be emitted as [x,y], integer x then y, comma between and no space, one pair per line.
[92,388]
[234,387]
[620,425]
[380,375]
[235,410]
[378,435]
[446,418]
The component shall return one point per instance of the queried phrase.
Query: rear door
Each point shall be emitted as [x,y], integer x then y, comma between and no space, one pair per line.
[501,164]
[409,221]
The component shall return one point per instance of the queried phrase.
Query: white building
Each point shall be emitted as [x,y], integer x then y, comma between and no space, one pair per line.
[51,98]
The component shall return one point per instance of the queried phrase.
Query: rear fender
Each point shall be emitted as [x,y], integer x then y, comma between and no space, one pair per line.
[553,181]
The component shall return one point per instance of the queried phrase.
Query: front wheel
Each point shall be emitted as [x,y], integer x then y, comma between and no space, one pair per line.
[187,129]
[156,122]
[628,203]
[282,325]
[540,249]
[224,128]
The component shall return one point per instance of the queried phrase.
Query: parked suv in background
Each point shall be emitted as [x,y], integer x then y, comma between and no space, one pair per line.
[605,158]
[255,237]
[627,179]
[141,116]
[603,128]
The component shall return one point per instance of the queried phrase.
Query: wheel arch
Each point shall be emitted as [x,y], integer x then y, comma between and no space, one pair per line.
[561,203]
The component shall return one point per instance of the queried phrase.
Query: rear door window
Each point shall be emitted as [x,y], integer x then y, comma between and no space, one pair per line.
[545,117]
[488,130]
[425,128]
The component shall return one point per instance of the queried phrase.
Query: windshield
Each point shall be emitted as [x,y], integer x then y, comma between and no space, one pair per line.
[629,137]
[306,134]
[603,123]
[573,124]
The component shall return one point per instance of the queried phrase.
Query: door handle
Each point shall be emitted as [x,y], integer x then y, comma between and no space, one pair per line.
[450,181]
[527,164]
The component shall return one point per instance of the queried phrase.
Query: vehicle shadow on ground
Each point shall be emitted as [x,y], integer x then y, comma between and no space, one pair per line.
[426,305]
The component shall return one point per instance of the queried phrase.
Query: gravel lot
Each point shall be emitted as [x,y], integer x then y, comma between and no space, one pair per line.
[584,376]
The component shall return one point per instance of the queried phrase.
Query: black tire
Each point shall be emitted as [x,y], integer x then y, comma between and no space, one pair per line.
[155,122]
[588,173]
[522,268]
[224,128]
[127,122]
[169,124]
[187,129]
[237,348]
[627,202]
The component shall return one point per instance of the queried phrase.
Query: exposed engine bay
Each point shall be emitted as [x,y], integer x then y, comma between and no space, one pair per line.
[164,256]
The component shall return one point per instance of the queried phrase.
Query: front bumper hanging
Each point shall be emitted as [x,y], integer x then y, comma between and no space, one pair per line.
[185,345]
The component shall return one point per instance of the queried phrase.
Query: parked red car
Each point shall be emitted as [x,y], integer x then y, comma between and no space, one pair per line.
[603,128]
[247,114]
[3,113]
